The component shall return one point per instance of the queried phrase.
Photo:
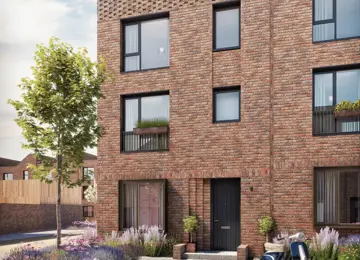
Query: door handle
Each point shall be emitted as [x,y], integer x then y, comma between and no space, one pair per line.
[215,220]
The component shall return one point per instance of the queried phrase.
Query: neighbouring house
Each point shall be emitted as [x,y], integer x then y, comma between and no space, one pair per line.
[27,204]
[249,89]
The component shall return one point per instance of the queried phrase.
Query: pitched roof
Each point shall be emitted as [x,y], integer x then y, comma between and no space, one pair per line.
[88,156]
[8,162]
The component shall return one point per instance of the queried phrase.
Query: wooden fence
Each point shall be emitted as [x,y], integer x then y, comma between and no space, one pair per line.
[36,192]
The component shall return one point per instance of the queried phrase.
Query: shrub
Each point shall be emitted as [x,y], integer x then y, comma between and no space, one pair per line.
[167,250]
[106,253]
[325,244]
[350,247]
[131,251]
[266,225]
[156,122]
[191,224]
[351,252]
[347,106]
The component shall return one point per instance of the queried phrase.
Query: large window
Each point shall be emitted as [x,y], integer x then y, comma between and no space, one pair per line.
[25,175]
[143,203]
[337,196]
[8,176]
[140,108]
[226,27]
[226,103]
[330,88]
[88,211]
[89,172]
[335,19]
[146,44]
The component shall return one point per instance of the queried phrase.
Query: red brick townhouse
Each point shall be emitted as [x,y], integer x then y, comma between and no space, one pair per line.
[249,89]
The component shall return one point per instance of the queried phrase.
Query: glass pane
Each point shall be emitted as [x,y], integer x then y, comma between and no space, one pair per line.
[349,197]
[323,90]
[227,28]
[131,114]
[347,18]
[323,32]
[131,38]
[347,85]
[132,63]
[89,172]
[8,176]
[155,107]
[323,10]
[149,204]
[155,44]
[227,106]
[326,188]
[130,205]
[348,127]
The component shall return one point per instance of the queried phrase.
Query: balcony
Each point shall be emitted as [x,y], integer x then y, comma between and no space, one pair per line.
[132,142]
[325,123]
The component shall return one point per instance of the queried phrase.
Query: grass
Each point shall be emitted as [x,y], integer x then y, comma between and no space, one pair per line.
[156,122]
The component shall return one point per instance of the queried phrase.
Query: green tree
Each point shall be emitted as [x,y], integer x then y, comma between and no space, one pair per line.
[57,113]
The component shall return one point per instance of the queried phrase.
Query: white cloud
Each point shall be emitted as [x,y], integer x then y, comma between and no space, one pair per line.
[30,20]
[23,24]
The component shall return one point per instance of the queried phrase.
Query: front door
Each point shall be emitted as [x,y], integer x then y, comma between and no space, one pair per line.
[225,201]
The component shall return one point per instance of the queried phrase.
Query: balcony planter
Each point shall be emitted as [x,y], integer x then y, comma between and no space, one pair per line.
[347,113]
[151,130]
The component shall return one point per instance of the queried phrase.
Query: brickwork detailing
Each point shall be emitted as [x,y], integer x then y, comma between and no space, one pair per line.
[179,251]
[243,252]
[28,218]
[272,149]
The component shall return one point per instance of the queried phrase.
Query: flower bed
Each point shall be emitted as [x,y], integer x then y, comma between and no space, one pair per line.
[132,243]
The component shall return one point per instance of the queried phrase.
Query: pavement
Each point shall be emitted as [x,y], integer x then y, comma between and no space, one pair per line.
[36,239]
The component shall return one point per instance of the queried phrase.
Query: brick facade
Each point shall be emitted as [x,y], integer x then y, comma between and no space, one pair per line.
[272,149]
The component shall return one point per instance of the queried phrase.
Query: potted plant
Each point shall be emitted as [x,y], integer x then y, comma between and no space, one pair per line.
[152,126]
[266,226]
[191,224]
[347,109]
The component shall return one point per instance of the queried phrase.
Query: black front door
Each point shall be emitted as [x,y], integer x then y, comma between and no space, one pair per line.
[225,200]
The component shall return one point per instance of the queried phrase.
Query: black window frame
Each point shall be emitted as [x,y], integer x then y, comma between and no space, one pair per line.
[222,7]
[7,173]
[317,224]
[121,202]
[225,90]
[328,70]
[137,96]
[333,20]
[24,175]
[86,211]
[137,21]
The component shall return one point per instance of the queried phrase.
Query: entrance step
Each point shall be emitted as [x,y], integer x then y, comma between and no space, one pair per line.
[212,255]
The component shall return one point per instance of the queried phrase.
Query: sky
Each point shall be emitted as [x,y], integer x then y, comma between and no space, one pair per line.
[23,24]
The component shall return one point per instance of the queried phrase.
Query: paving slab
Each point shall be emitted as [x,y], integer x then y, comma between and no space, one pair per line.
[39,235]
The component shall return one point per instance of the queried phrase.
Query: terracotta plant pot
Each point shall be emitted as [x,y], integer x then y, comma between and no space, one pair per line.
[191,247]
[151,130]
[347,113]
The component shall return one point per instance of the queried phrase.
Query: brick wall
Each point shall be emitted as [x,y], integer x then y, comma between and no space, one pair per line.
[272,149]
[28,218]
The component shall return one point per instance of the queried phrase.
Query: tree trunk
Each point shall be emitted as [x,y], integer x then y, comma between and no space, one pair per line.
[58,203]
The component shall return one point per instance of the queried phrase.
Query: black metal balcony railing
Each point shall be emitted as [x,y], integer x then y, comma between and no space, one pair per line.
[324,122]
[147,142]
